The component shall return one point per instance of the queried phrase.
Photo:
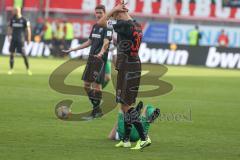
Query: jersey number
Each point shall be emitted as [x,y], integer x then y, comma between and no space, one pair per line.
[137,42]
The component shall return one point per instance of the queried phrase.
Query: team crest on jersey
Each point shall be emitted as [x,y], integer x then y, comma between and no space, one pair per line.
[100,29]
[109,33]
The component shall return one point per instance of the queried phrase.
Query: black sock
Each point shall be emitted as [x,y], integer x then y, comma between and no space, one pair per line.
[95,98]
[154,115]
[135,119]
[26,61]
[138,125]
[139,107]
[11,61]
[127,127]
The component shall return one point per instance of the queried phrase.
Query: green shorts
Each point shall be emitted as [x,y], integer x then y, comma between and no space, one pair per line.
[108,67]
[134,134]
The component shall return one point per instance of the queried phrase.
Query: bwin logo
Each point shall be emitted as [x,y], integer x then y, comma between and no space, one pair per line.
[163,56]
[223,60]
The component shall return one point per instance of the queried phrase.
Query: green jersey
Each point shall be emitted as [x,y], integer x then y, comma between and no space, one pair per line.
[134,134]
[108,67]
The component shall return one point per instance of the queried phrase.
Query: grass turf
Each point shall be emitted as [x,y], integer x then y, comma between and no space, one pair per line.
[29,129]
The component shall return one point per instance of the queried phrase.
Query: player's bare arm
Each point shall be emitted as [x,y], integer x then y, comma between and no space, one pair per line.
[105,46]
[9,33]
[29,34]
[103,21]
[84,45]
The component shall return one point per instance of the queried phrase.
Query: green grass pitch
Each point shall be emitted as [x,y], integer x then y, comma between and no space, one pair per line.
[29,129]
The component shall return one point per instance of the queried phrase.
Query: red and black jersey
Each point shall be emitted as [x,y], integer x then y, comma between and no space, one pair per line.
[129,37]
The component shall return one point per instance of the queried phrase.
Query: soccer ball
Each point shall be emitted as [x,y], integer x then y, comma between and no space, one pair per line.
[63,112]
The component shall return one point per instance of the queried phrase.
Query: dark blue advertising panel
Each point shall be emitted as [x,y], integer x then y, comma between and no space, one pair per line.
[211,57]
[156,33]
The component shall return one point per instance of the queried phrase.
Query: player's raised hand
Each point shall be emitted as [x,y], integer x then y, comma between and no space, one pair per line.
[121,8]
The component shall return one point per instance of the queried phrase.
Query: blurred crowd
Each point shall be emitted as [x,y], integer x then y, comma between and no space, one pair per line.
[57,35]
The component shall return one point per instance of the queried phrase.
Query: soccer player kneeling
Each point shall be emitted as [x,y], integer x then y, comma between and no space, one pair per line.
[147,114]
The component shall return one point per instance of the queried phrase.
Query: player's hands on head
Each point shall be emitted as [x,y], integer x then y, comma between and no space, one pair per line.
[120,8]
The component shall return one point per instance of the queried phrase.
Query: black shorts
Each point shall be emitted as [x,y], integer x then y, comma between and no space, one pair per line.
[17,46]
[94,70]
[128,82]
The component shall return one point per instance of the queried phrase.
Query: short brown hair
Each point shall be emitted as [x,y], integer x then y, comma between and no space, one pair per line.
[100,6]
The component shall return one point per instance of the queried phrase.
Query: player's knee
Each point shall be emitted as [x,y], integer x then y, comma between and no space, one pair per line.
[23,52]
[107,78]
[24,56]
[97,87]
[125,108]
[87,86]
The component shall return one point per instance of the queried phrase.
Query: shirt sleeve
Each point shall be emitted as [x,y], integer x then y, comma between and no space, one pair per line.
[108,34]
[26,23]
[122,27]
